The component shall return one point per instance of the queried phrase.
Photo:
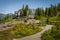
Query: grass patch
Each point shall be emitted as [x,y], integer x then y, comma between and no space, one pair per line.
[22,30]
[54,18]
[43,19]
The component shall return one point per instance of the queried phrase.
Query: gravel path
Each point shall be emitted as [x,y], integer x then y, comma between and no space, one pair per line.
[35,36]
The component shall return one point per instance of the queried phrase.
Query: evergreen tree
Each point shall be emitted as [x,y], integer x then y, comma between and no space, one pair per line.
[26,10]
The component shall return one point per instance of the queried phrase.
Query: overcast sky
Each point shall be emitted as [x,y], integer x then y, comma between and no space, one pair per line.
[9,6]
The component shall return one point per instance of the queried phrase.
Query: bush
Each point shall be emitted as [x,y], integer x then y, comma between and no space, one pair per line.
[53,34]
[22,30]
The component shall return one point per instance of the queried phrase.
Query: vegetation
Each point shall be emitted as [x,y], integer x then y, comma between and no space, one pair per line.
[39,12]
[5,35]
[25,10]
[21,30]
[43,20]
[52,11]
[53,34]
[8,18]
[55,18]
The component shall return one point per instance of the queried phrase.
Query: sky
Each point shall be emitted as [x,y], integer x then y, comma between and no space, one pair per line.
[9,6]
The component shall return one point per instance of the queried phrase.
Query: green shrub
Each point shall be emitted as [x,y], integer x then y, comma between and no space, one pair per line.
[53,34]
[21,30]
